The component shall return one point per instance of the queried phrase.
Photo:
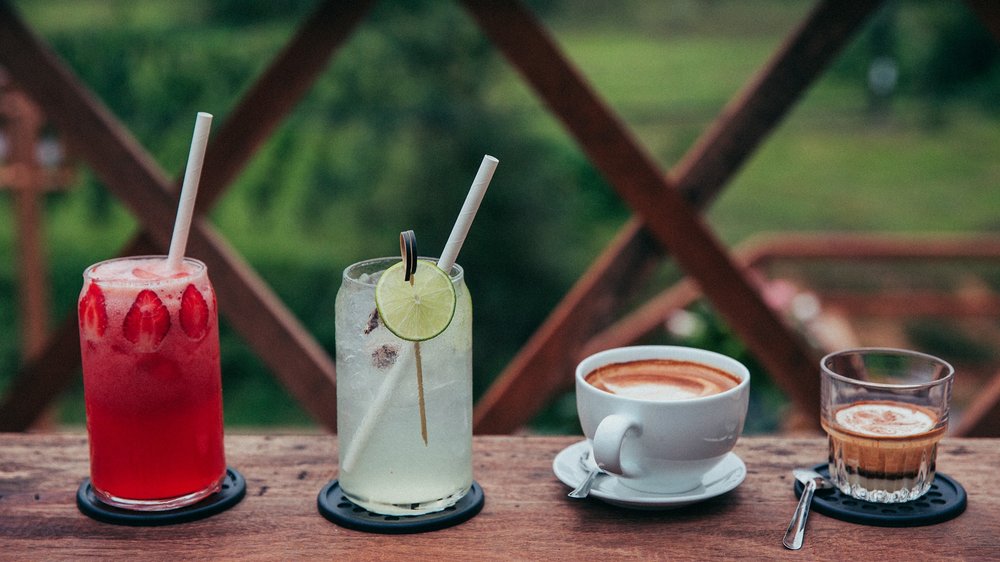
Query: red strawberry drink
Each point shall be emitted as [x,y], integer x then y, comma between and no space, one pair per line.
[151,374]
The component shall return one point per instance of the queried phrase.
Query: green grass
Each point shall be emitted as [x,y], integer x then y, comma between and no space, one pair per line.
[857,178]
[828,165]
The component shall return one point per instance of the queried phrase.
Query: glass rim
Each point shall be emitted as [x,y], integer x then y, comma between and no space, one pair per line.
[887,351]
[456,273]
[200,268]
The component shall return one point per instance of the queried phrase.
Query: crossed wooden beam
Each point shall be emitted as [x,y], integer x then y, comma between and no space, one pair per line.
[666,207]
[583,322]
[129,172]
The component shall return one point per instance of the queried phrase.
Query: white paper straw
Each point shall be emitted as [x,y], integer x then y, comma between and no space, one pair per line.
[189,191]
[445,262]
[379,404]
[476,192]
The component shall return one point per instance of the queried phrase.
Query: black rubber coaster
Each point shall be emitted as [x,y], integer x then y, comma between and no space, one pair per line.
[945,500]
[234,487]
[337,508]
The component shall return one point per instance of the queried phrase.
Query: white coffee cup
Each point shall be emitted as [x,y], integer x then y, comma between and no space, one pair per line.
[661,445]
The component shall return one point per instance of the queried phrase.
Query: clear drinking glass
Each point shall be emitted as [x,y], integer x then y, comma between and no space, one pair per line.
[385,465]
[884,410]
[152,383]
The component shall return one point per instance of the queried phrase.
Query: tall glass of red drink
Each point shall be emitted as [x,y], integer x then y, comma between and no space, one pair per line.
[152,382]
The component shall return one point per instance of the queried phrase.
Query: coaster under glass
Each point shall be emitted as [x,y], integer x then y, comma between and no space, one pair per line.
[233,489]
[335,507]
[945,500]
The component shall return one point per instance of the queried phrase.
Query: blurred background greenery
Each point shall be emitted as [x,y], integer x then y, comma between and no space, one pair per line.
[391,134]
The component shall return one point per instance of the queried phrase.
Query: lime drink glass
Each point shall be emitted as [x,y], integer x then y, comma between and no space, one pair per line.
[404,404]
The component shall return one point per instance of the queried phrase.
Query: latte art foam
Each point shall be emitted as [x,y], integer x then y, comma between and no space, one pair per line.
[883,451]
[661,379]
[884,419]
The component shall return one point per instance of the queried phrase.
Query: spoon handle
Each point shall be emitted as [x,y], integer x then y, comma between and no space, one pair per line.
[796,531]
[583,489]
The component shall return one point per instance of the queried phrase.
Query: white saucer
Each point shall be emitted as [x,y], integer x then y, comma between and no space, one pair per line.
[726,476]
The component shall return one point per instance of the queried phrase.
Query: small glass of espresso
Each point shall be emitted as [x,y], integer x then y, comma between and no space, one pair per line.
[884,410]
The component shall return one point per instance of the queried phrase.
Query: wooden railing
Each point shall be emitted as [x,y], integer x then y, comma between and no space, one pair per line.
[666,205]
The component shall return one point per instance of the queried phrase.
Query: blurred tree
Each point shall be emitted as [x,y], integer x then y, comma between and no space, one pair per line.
[388,139]
[241,12]
[964,59]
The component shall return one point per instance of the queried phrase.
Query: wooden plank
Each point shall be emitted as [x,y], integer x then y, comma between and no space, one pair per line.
[702,174]
[33,278]
[526,516]
[912,304]
[23,122]
[764,250]
[287,79]
[900,304]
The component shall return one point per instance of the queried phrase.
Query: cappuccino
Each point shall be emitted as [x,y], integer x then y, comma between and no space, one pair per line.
[883,451]
[660,417]
[661,379]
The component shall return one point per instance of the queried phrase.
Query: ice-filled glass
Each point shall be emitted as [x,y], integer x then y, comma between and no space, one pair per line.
[149,340]
[386,466]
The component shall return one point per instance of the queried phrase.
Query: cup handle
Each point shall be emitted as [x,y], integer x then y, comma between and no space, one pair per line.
[608,440]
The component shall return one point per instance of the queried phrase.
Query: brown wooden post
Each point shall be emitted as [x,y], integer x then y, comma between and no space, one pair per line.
[20,122]
[27,179]
[253,310]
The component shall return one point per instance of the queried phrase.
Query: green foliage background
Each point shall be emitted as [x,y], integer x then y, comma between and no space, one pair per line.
[393,131]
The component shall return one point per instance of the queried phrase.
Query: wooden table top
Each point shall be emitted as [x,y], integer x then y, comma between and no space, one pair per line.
[527,515]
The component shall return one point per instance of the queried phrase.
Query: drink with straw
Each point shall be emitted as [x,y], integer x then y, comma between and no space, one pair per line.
[150,346]
[398,473]
[404,376]
[149,341]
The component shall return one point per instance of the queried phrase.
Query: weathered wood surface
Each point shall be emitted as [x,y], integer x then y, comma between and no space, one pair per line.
[527,515]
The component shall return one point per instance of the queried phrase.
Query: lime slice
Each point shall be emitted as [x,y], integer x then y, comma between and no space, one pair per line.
[419,311]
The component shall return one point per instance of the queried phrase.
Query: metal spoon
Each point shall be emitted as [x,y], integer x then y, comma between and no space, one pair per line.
[583,489]
[796,531]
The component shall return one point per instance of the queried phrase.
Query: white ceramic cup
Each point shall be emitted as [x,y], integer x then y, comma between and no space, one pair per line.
[661,446]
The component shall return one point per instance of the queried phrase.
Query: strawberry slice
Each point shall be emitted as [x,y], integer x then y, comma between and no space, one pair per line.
[92,314]
[194,313]
[147,322]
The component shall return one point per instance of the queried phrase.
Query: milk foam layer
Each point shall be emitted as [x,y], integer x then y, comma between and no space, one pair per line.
[661,379]
[884,420]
